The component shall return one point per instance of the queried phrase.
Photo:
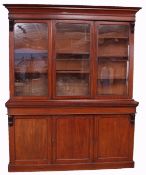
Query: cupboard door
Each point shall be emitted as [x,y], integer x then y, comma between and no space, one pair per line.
[73,139]
[114,138]
[32,140]
[113,59]
[72,59]
[31,59]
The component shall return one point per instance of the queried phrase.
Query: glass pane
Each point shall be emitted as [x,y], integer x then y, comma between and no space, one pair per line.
[113,61]
[72,59]
[31,57]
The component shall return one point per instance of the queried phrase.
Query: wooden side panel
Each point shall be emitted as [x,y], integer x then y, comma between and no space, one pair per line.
[31,140]
[73,139]
[112,134]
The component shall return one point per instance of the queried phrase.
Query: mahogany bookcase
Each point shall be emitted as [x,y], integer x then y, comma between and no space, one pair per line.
[71,82]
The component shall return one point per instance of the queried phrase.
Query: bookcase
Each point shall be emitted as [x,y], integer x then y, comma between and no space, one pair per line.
[71,79]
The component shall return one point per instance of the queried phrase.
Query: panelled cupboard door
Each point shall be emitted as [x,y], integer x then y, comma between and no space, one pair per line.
[114,138]
[73,139]
[32,140]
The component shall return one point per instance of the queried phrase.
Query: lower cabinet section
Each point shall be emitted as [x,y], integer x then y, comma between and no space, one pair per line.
[71,142]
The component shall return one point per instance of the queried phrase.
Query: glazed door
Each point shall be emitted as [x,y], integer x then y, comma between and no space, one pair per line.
[73,139]
[72,59]
[113,138]
[30,140]
[30,59]
[112,59]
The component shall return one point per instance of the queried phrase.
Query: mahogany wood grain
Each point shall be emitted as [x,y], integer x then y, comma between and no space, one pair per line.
[11,143]
[77,166]
[49,58]
[71,12]
[73,102]
[112,137]
[74,110]
[11,63]
[32,140]
[131,62]
[73,139]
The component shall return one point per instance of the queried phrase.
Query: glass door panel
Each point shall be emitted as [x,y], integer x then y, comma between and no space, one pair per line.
[72,59]
[113,59]
[31,59]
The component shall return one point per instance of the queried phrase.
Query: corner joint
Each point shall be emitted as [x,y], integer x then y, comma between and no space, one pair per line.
[10,121]
[132,118]
[132,27]
[11,25]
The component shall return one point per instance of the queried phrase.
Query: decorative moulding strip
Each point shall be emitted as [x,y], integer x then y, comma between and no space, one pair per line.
[53,11]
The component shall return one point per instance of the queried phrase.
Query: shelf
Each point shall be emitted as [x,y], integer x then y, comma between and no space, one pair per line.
[113,58]
[113,48]
[73,59]
[112,87]
[115,79]
[112,41]
[31,65]
[114,37]
[72,85]
[72,53]
[32,73]
[23,77]
[114,34]
[72,72]
[30,51]
[32,86]
[72,65]
[44,71]
[75,52]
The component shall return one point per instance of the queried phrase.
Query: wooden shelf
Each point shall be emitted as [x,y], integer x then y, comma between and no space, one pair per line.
[32,87]
[72,72]
[114,34]
[71,54]
[72,59]
[44,71]
[72,65]
[114,57]
[112,89]
[114,37]
[75,52]
[114,79]
[109,56]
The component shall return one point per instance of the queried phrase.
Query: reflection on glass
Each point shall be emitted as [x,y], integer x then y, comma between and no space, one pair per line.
[113,52]
[31,57]
[72,84]
[72,59]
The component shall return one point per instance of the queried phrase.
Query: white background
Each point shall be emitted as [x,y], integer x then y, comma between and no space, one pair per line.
[139,92]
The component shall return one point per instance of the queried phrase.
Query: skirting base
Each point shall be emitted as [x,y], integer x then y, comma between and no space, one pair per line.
[64,167]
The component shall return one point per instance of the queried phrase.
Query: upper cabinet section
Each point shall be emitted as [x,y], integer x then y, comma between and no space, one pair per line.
[71,52]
